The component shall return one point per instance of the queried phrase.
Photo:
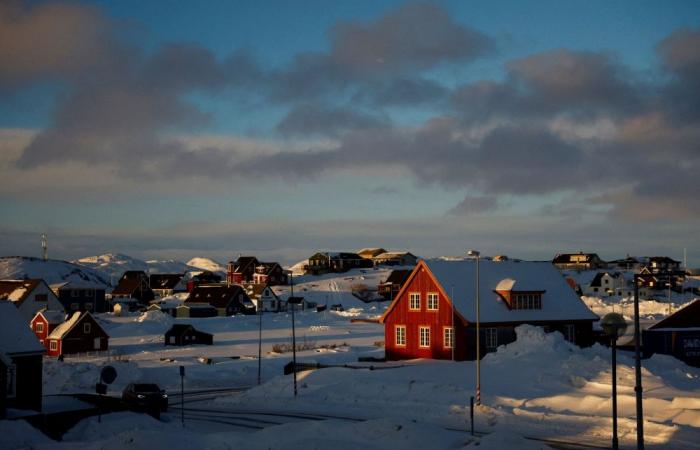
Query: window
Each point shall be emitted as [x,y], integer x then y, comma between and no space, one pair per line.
[527,301]
[53,346]
[414,301]
[400,335]
[39,327]
[41,297]
[87,327]
[74,293]
[11,387]
[570,333]
[491,337]
[448,337]
[432,301]
[424,333]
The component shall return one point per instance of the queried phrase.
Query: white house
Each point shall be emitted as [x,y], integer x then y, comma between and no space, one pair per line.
[264,297]
[29,296]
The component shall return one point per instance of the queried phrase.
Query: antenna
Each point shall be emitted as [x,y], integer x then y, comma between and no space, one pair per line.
[45,246]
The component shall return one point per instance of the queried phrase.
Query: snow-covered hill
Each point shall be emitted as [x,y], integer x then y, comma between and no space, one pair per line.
[206,264]
[51,271]
[113,265]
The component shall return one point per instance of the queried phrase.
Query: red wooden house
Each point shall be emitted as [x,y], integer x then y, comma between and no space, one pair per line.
[81,333]
[44,322]
[435,310]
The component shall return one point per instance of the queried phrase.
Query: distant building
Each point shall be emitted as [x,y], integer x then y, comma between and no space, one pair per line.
[21,359]
[44,322]
[324,262]
[81,297]
[395,259]
[605,284]
[247,269]
[579,261]
[369,253]
[228,300]
[186,334]
[206,277]
[133,285]
[434,312]
[166,284]
[29,296]
[264,297]
[389,288]
[657,264]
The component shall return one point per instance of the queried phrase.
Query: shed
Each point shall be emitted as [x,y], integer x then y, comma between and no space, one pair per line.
[677,335]
[186,334]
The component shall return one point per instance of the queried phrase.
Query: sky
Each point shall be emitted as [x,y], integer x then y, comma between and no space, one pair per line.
[173,129]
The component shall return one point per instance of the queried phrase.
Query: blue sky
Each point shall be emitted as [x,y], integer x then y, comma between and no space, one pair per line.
[173,129]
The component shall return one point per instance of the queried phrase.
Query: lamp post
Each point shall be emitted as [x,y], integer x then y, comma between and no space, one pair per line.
[638,367]
[261,304]
[614,326]
[475,253]
[294,300]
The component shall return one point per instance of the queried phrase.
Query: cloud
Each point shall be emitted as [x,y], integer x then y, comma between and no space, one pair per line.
[309,119]
[474,205]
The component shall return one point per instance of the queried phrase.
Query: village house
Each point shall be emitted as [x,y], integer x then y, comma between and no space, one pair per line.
[369,253]
[29,296]
[434,313]
[133,287]
[324,262]
[228,300]
[271,274]
[247,269]
[677,335]
[79,334]
[44,322]
[395,259]
[81,296]
[389,288]
[605,284]
[657,264]
[185,334]
[578,261]
[201,278]
[166,284]
[630,263]
[263,297]
[21,359]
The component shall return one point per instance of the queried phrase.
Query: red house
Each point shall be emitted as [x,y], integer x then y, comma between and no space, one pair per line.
[435,310]
[81,333]
[44,322]
[247,269]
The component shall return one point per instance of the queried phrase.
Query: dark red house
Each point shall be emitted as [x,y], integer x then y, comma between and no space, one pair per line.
[79,334]
[677,335]
[133,285]
[44,323]
[247,269]
[393,283]
[435,310]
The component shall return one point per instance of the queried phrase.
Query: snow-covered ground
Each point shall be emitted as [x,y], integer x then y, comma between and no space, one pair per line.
[52,271]
[539,387]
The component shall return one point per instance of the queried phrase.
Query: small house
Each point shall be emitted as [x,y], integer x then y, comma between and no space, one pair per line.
[371,252]
[21,359]
[44,322]
[29,296]
[433,315]
[677,335]
[389,288]
[134,286]
[79,334]
[395,259]
[166,284]
[325,262]
[196,310]
[270,273]
[228,300]
[605,284]
[81,296]
[205,277]
[186,334]
[578,261]
[263,297]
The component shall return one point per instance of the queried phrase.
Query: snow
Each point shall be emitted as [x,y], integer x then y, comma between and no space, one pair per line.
[51,271]
[113,265]
[559,301]
[15,335]
[65,327]
[206,264]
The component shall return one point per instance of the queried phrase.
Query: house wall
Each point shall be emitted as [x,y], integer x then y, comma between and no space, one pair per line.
[78,341]
[79,299]
[29,383]
[30,306]
[423,283]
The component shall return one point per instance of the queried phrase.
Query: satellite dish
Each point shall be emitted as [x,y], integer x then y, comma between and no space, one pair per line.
[108,374]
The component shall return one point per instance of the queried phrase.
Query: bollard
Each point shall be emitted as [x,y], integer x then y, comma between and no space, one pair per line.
[471,414]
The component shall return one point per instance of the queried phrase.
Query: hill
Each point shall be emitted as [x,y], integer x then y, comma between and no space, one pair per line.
[52,271]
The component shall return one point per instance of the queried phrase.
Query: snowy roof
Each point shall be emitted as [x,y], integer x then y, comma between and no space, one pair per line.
[386,255]
[76,285]
[16,337]
[65,327]
[17,290]
[559,301]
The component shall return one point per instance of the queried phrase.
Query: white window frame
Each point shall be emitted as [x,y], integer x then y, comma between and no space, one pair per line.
[448,337]
[424,336]
[570,332]
[414,297]
[53,345]
[87,327]
[400,335]
[491,338]
[433,301]
[39,327]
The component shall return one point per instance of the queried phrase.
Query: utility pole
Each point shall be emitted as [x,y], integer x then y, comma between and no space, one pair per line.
[45,246]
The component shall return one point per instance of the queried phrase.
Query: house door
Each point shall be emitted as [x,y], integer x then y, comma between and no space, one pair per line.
[97,343]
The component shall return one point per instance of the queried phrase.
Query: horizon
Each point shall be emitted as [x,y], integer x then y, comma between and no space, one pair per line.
[279,129]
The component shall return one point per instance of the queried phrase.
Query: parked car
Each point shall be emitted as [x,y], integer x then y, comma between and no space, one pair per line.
[145,396]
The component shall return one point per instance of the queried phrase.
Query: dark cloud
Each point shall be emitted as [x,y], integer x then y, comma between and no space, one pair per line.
[404,92]
[306,120]
[474,205]
[680,54]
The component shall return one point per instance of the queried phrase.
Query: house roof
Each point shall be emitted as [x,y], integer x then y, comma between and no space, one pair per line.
[255,290]
[392,255]
[268,266]
[18,290]
[371,251]
[76,285]
[596,282]
[559,301]
[218,296]
[66,326]
[243,262]
[127,286]
[52,317]
[16,338]
[179,329]
[686,317]
[164,280]
[566,258]
[398,276]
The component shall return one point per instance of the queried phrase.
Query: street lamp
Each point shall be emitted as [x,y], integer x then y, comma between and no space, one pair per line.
[614,325]
[475,254]
[638,367]
[261,306]
[294,301]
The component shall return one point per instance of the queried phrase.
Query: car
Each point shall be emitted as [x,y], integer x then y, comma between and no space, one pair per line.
[146,396]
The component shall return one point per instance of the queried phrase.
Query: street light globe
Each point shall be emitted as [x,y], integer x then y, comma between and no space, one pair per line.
[473,253]
[614,324]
